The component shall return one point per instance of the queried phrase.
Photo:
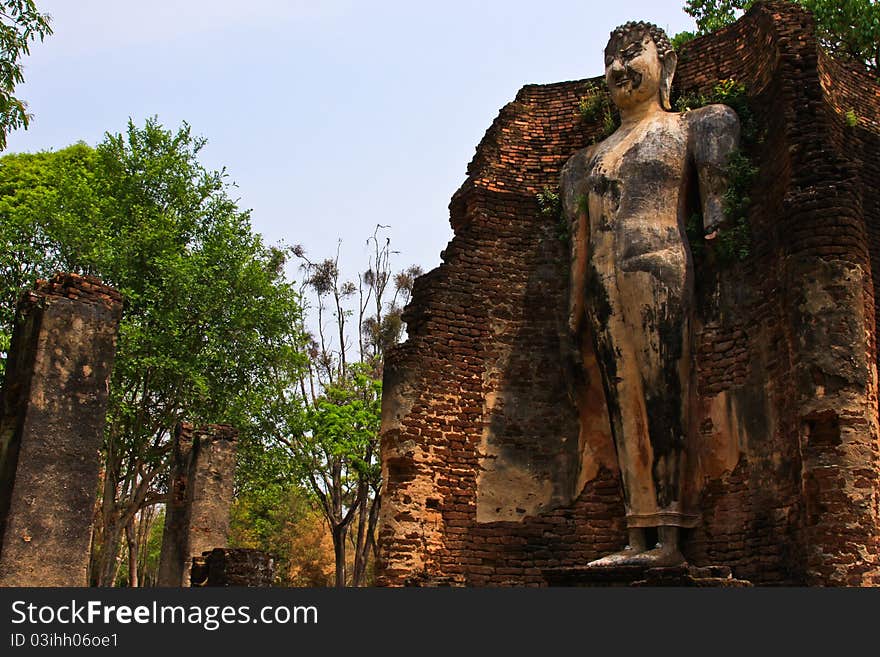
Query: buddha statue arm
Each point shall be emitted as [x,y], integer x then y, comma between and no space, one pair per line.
[573,193]
[713,135]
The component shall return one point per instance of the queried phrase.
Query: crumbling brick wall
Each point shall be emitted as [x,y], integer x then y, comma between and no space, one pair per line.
[486,481]
[233,567]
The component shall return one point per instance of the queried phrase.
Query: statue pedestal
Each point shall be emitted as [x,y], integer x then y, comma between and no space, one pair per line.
[684,575]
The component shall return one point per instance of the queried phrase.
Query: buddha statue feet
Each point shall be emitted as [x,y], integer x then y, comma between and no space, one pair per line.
[658,557]
[663,555]
[623,558]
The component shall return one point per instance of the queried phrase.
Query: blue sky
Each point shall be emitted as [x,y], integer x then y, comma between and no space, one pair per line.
[331,116]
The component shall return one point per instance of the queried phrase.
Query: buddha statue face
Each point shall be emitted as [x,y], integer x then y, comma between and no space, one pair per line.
[635,70]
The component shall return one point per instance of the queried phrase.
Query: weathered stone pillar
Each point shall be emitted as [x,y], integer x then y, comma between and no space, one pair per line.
[197,514]
[52,414]
[210,490]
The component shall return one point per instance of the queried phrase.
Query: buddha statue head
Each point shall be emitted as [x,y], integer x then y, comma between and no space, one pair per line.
[639,65]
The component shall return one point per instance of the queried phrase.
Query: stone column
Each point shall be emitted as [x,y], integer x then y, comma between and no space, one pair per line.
[175,535]
[197,515]
[52,415]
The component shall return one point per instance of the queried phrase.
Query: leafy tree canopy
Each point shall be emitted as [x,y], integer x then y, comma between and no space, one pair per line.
[274,513]
[20,24]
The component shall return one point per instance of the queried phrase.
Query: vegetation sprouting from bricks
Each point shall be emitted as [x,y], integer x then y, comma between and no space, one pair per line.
[732,242]
[596,104]
[550,207]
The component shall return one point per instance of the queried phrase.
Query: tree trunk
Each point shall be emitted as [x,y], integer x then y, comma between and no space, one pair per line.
[368,543]
[110,529]
[110,558]
[131,541]
[339,533]
[360,566]
[96,545]
[119,511]
[145,525]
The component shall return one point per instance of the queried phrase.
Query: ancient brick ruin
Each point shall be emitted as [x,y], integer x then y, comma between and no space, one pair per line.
[53,403]
[233,567]
[487,480]
[53,411]
[200,496]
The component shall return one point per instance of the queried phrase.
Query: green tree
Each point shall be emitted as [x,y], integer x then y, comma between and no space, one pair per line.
[850,28]
[211,318]
[712,15]
[329,419]
[144,542]
[20,24]
[43,197]
[274,513]
[208,327]
[846,28]
[337,455]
